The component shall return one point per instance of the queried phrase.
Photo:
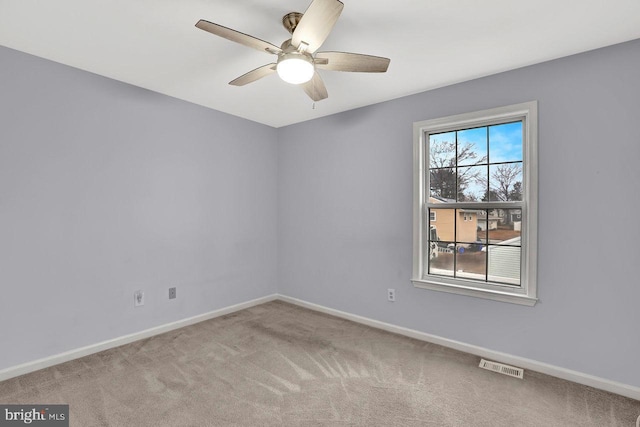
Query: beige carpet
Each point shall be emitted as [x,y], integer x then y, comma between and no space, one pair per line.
[280,365]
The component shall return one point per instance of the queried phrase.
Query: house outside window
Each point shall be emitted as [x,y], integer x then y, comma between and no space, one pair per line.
[476,174]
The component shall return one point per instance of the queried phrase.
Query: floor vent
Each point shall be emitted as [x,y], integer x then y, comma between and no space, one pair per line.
[502,369]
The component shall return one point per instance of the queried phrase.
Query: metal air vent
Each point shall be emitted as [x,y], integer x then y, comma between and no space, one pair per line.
[500,368]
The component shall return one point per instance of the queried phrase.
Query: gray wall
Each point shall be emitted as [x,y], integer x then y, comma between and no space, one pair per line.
[106,188]
[345,200]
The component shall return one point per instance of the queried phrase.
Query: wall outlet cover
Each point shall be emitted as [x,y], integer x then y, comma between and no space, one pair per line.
[391,294]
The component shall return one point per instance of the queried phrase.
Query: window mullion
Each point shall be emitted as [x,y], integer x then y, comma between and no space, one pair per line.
[516,204]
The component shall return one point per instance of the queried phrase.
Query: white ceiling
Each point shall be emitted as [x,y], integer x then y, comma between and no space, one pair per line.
[432,43]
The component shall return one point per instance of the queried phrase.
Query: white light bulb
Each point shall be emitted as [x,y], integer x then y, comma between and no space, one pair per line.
[295,69]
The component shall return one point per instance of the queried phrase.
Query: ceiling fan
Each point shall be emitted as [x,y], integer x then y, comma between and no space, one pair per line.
[297,58]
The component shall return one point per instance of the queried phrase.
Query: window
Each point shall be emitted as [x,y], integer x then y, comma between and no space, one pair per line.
[478,173]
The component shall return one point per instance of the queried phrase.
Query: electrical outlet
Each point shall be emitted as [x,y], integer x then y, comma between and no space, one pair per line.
[172,293]
[138,298]
[391,295]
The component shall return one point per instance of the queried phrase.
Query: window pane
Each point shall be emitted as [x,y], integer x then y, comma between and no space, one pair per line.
[442,150]
[471,263]
[467,226]
[443,228]
[472,183]
[484,222]
[506,226]
[441,246]
[504,264]
[505,182]
[442,183]
[442,263]
[472,146]
[505,142]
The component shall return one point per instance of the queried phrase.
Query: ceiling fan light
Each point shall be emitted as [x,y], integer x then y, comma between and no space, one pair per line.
[295,68]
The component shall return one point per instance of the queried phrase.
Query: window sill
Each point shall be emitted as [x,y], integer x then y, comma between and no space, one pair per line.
[495,295]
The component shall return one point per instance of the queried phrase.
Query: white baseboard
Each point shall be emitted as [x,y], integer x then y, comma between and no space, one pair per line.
[46,362]
[566,374]
[545,368]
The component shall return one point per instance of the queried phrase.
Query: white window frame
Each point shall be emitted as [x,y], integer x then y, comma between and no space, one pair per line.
[432,213]
[526,293]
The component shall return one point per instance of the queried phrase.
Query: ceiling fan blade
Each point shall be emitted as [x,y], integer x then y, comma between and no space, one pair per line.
[316,24]
[315,88]
[238,37]
[344,61]
[254,75]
